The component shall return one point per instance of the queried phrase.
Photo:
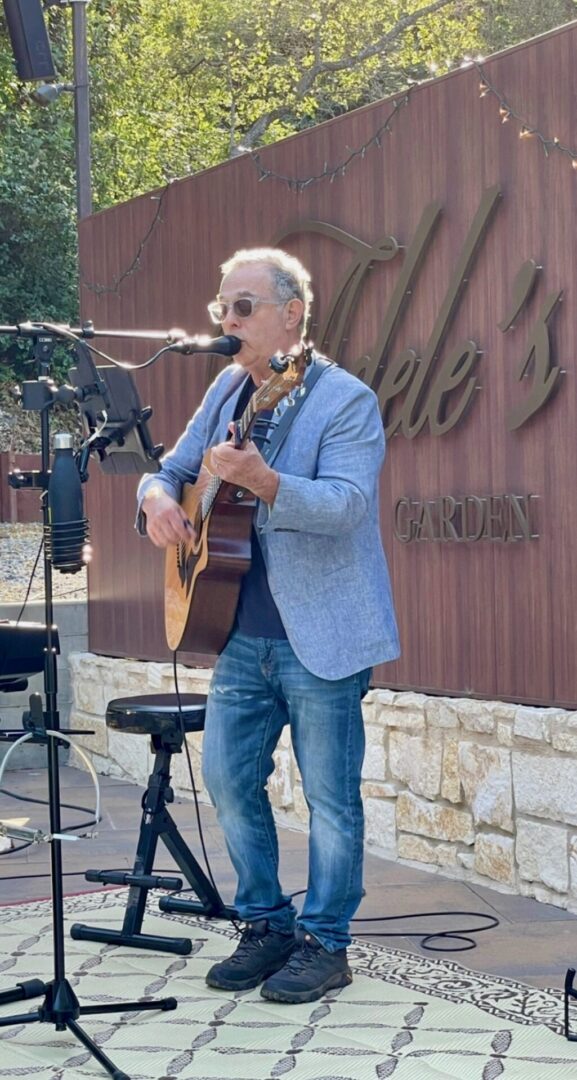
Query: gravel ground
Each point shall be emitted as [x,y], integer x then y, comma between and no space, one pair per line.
[19,546]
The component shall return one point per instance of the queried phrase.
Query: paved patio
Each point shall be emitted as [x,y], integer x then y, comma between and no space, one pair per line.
[534,943]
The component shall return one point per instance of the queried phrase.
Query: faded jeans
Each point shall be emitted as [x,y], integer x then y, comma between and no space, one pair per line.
[258,686]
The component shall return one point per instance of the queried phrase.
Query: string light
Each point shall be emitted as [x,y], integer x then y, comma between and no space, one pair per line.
[99,289]
[330,173]
[527,131]
[298,184]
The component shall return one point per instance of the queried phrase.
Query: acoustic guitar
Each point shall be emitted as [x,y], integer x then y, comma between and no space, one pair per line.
[203,576]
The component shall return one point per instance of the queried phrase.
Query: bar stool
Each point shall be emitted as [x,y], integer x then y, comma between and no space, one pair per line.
[157,715]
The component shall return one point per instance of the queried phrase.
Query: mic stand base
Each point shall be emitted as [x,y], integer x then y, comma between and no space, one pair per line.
[62,1009]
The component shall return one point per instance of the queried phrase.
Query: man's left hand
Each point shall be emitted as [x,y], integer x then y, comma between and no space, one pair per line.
[246,468]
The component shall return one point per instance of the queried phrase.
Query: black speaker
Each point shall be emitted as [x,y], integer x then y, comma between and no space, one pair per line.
[29,38]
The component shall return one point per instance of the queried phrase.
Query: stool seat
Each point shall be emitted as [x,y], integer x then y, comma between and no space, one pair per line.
[156,714]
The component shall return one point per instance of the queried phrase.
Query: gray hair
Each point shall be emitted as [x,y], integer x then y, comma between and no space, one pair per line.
[288,275]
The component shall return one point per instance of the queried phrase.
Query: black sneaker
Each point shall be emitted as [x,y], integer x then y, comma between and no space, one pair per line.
[309,973]
[259,954]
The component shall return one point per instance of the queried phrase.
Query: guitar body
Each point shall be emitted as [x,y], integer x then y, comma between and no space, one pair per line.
[203,577]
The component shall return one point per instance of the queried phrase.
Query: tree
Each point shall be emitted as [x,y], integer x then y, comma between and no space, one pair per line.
[37,209]
[179,85]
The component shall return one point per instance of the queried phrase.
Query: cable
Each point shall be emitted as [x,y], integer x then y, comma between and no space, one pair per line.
[457,934]
[65,738]
[43,802]
[191,773]
[66,332]
[30,580]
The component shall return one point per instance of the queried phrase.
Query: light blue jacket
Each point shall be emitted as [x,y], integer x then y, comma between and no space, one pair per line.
[321,540]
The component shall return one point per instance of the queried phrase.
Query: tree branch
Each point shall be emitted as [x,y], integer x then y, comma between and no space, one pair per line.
[321,67]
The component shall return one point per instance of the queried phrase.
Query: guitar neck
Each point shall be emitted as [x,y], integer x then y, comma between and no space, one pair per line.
[242,433]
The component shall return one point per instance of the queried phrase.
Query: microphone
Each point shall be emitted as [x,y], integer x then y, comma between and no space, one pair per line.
[227,345]
[66,536]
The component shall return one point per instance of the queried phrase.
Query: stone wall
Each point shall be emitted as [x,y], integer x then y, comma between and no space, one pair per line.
[482,791]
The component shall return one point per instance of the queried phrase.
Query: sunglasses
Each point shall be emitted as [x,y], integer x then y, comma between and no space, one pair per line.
[243,308]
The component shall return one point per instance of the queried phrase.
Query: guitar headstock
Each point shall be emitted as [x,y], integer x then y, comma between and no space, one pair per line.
[288,374]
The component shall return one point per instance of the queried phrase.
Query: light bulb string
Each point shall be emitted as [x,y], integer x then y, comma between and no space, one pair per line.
[527,130]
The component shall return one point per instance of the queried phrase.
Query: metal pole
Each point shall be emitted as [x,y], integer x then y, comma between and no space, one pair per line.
[81,109]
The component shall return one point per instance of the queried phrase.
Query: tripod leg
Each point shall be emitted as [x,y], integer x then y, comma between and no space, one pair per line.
[29,989]
[96,1052]
[164,1004]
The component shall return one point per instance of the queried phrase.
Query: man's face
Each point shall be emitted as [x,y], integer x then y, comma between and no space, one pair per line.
[272,326]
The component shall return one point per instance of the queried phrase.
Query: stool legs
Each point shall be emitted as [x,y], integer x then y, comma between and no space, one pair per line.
[156,823]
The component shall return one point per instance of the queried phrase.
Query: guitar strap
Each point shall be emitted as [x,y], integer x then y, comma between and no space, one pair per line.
[317,368]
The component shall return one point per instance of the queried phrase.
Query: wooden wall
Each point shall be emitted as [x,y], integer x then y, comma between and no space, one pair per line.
[496,617]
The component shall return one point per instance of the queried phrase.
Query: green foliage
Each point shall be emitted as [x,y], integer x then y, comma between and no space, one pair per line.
[180,85]
[37,211]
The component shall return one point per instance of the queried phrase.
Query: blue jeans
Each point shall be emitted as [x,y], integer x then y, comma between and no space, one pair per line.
[258,686]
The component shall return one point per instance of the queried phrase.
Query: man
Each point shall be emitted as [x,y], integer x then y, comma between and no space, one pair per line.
[315,614]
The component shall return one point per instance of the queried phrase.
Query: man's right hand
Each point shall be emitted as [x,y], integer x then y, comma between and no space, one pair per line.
[166,522]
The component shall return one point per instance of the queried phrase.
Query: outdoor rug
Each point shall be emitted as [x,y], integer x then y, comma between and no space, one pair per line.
[405,1016]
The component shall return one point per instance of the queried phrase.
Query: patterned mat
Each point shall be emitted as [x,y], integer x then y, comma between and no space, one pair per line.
[405,1016]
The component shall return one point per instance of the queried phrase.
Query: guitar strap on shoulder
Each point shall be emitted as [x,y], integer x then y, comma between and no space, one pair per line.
[317,368]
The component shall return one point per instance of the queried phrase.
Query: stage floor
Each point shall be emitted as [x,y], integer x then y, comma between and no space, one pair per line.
[534,943]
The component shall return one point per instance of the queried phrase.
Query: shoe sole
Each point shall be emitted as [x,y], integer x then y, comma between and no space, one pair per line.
[297,997]
[246,984]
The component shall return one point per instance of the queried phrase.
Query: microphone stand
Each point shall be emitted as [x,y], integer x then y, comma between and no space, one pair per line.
[61,1006]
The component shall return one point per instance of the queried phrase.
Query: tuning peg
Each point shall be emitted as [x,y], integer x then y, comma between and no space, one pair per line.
[301,391]
[290,400]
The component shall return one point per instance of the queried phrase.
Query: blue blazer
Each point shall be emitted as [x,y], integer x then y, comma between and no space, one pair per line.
[321,539]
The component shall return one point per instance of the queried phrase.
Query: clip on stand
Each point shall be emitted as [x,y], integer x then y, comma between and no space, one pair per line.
[61,1006]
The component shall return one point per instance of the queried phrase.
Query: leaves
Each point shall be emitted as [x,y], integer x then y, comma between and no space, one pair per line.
[179,85]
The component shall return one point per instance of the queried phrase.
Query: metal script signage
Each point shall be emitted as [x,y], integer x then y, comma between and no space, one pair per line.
[437,388]
[470,518]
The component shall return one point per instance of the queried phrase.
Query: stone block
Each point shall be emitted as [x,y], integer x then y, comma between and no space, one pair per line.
[403,719]
[495,857]
[434,820]
[381,696]
[417,761]
[573,866]
[372,789]
[97,742]
[131,755]
[418,849]
[280,783]
[441,713]
[534,724]
[504,732]
[485,773]
[543,894]
[545,786]
[375,760]
[89,695]
[542,853]
[408,699]
[451,781]
[301,809]
[380,828]
[564,733]
[503,711]
[180,772]
[475,715]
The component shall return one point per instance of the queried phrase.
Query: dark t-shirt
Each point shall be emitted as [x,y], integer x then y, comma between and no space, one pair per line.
[257,614]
